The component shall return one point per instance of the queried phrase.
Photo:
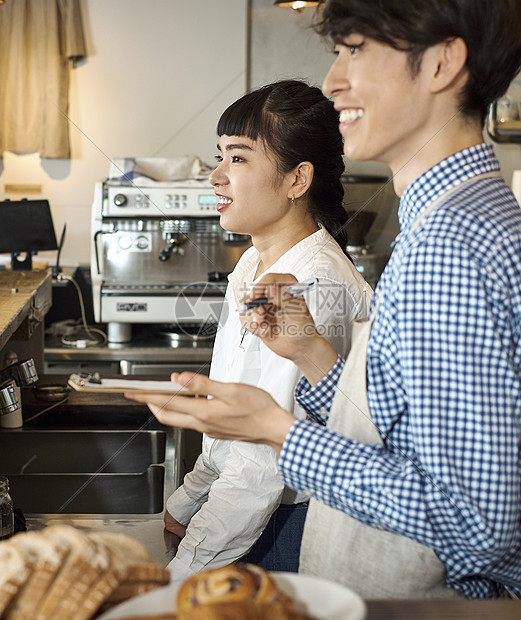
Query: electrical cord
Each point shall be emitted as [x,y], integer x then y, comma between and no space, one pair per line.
[90,331]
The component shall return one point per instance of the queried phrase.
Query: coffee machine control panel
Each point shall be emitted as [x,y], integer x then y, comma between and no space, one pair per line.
[131,201]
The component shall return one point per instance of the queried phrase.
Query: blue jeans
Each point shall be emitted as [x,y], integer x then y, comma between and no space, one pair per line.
[278,548]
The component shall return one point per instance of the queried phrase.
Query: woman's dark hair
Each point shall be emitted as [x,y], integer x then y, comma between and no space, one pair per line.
[297,123]
[491,30]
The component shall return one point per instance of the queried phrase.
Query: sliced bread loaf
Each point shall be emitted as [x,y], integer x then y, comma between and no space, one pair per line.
[46,557]
[16,569]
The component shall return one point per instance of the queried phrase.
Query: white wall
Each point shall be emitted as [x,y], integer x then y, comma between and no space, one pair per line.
[157,77]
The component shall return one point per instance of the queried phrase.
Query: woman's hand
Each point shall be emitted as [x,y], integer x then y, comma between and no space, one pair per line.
[233,411]
[286,326]
[173,526]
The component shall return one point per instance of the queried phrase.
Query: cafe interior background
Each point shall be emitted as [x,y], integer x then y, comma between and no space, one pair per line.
[155,79]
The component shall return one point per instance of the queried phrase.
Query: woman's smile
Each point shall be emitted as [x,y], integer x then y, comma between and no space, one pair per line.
[222,202]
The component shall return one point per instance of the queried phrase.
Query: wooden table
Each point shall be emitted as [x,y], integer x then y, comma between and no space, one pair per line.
[25,297]
[444,610]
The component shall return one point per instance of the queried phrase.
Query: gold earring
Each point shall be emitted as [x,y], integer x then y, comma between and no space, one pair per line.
[293,200]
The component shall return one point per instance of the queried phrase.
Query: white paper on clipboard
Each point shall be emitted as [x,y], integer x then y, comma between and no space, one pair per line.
[94,383]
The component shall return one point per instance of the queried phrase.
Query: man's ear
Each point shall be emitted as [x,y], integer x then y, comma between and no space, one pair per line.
[450,63]
[302,179]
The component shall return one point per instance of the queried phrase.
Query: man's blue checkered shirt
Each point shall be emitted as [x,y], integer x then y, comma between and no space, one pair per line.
[444,374]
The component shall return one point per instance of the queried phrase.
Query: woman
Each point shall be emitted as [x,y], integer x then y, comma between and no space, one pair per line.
[278,180]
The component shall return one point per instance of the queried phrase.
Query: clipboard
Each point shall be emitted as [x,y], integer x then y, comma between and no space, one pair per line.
[92,382]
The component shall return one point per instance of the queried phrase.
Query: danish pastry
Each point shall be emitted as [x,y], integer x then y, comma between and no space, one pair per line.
[231,583]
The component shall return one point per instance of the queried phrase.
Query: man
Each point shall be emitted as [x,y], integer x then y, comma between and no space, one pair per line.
[416,477]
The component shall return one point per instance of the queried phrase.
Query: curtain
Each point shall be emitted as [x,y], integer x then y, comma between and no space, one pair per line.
[39,41]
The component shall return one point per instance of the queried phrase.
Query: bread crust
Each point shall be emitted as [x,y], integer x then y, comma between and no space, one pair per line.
[16,569]
[103,586]
[124,591]
[64,573]
[46,556]
[83,564]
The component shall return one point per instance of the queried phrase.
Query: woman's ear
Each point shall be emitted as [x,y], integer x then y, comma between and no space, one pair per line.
[303,176]
[450,64]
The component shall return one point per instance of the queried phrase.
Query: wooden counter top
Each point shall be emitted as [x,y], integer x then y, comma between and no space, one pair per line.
[444,610]
[25,297]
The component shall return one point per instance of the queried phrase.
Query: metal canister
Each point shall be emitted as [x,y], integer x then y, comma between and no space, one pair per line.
[9,398]
[6,510]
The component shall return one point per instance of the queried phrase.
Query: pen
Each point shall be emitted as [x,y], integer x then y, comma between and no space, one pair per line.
[254,303]
[295,290]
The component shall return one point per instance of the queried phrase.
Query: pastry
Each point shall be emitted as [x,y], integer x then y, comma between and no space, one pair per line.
[234,582]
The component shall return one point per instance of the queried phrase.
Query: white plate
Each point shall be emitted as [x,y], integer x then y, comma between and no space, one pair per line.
[317,597]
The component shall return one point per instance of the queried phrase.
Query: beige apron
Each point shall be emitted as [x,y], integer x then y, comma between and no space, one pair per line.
[373,562]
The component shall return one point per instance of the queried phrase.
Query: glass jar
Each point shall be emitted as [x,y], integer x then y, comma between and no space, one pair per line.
[6,510]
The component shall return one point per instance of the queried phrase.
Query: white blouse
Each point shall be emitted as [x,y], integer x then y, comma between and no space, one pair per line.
[235,487]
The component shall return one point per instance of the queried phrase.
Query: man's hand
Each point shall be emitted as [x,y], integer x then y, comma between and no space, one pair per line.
[232,411]
[286,326]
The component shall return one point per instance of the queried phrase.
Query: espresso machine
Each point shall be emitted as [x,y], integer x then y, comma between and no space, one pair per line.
[159,256]
[372,225]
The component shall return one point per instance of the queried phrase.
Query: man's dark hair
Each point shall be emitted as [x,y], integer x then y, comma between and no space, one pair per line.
[491,30]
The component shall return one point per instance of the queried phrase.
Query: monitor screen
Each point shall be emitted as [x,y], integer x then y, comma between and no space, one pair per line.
[26,226]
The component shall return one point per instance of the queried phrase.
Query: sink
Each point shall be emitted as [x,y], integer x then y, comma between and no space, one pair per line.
[72,417]
[28,452]
[89,493]
[85,472]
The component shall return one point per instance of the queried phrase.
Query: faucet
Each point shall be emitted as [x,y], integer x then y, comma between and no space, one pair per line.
[12,378]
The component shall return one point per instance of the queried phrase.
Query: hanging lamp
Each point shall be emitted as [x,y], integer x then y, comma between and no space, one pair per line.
[297,5]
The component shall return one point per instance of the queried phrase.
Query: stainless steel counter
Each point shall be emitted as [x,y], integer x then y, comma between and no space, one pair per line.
[126,359]
[130,351]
